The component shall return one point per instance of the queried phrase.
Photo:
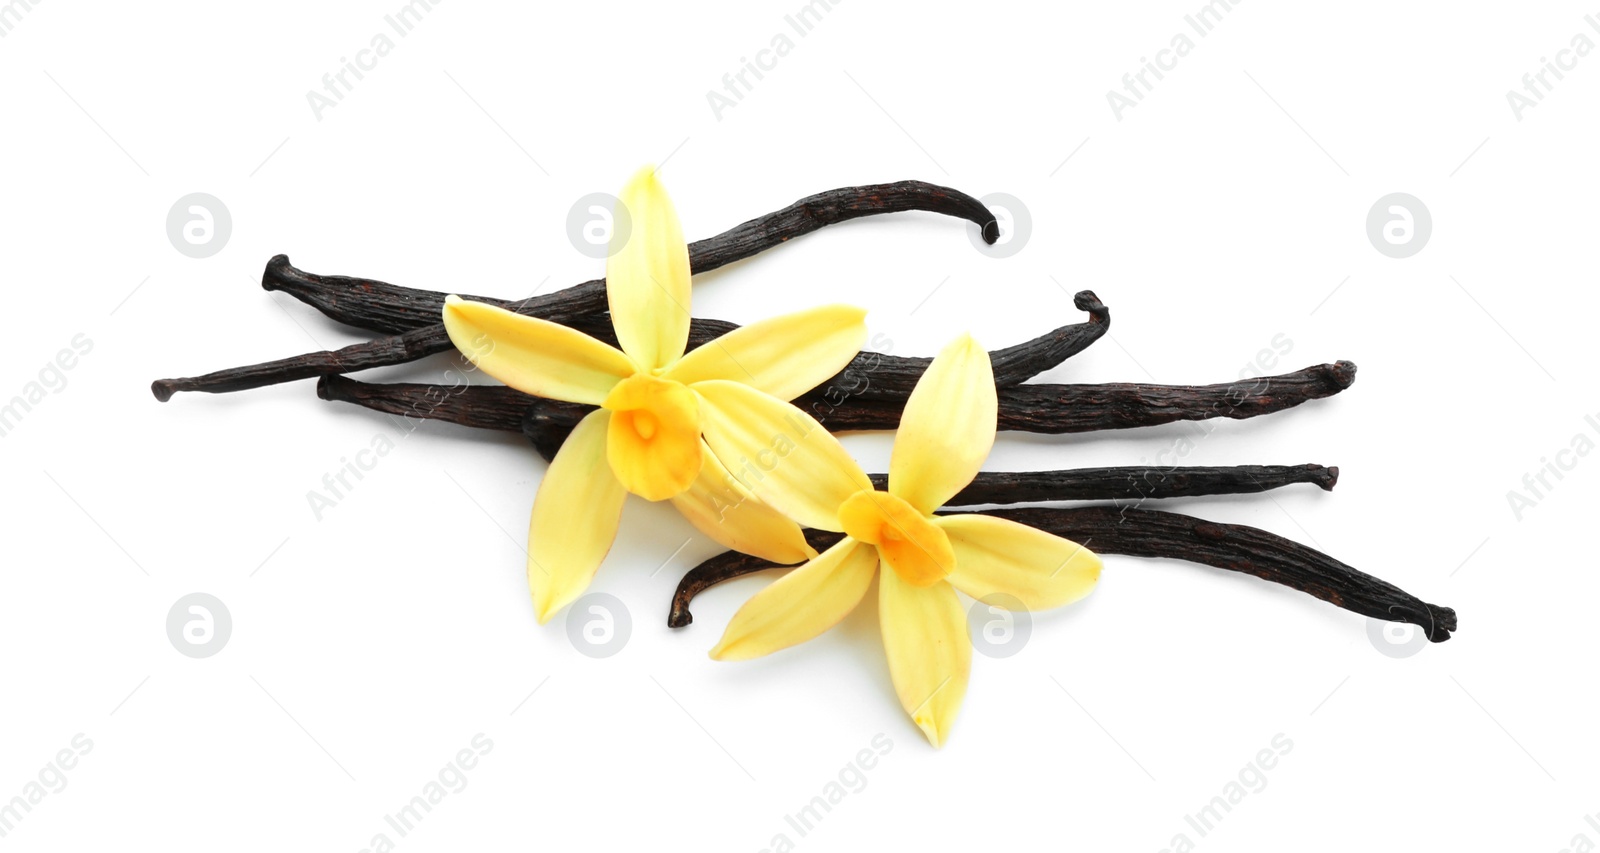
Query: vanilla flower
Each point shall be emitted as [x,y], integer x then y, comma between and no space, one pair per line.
[646,437]
[945,434]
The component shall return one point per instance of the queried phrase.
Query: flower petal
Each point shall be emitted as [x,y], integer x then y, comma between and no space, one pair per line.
[718,506]
[779,452]
[1000,556]
[930,652]
[801,604]
[654,440]
[647,275]
[575,518]
[947,429]
[784,356]
[532,355]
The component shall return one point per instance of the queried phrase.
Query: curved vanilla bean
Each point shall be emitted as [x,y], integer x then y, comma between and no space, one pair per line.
[742,241]
[382,307]
[1149,533]
[869,376]
[890,378]
[735,564]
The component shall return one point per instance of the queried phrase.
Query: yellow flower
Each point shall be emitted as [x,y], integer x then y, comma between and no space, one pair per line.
[945,434]
[646,438]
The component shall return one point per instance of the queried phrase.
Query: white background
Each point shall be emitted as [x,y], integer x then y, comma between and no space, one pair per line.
[1225,209]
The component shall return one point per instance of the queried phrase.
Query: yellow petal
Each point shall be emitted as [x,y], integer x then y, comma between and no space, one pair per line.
[947,429]
[784,356]
[647,275]
[801,604]
[654,440]
[1000,556]
[718,506]
[779,452]
[532,355]
[575,518]
[930,652]
[908,541]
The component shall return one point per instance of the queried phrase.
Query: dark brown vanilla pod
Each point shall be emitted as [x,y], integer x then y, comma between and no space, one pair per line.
[873,376]
[395,308]
[1055,409]
[1045,408]
[884,376]
[383,307]
[1131,483]
[378,306]
[547,423]
[501,408]
[481,406]
[1151,533]
[869,376]
[1050,409]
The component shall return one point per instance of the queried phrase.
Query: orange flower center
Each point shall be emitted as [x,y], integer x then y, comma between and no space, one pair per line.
[644,423]
[653,442]
[909,541]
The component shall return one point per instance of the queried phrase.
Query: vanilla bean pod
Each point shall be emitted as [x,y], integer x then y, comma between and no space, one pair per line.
[378,306]
[1131,483]
[480,406]
[1056,409]
[890,378]
[1050,409]
[367,301]
[1045,408]
[371,304]
[870,376]
[381,307]
[501,408]
[1150,533]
